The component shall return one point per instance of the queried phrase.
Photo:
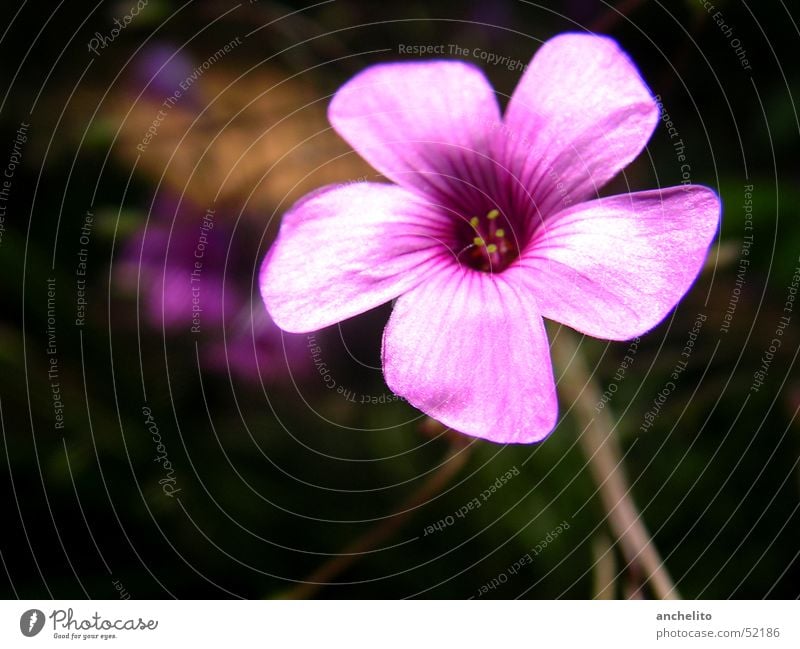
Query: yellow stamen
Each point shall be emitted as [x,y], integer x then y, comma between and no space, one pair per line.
[474,221]
[491,248]
[493,214]
[500,233]
[478,241]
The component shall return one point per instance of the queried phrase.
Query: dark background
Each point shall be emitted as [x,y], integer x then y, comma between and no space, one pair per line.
[278,472]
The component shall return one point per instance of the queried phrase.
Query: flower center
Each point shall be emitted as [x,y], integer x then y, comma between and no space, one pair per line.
[488,243]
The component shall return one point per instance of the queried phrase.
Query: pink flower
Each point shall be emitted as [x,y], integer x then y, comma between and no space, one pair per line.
[159,261]
[492,223]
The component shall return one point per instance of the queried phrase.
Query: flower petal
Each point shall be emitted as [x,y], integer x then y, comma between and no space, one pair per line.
[470,350]
[346,249]
[580,114]
[421,124]
[615,267]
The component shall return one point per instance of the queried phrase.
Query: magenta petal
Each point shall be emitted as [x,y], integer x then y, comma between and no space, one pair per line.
[470,350]
[346,249]
[580,114]
[420,124]
[615,267]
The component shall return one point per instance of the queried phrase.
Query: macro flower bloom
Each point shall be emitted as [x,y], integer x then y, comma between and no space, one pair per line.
[491,223]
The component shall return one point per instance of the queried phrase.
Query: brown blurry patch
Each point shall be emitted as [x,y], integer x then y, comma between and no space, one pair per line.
[262,134]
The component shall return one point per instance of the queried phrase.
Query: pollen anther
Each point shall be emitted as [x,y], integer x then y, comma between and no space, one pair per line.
[490,250]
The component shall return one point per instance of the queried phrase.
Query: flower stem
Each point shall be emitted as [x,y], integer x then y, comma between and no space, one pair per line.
[456,457]
[605,567]
[602,449]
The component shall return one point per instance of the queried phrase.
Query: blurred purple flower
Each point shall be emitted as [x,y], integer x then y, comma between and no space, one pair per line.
[160,68]
[254,349]
[160,261]
[493,224]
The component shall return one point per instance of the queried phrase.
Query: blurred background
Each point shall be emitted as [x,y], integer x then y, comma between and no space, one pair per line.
[151,450]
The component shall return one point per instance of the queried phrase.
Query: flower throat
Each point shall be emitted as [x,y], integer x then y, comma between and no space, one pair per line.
[488,244]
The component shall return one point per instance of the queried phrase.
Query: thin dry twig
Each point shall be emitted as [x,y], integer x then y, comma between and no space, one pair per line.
[456,457]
